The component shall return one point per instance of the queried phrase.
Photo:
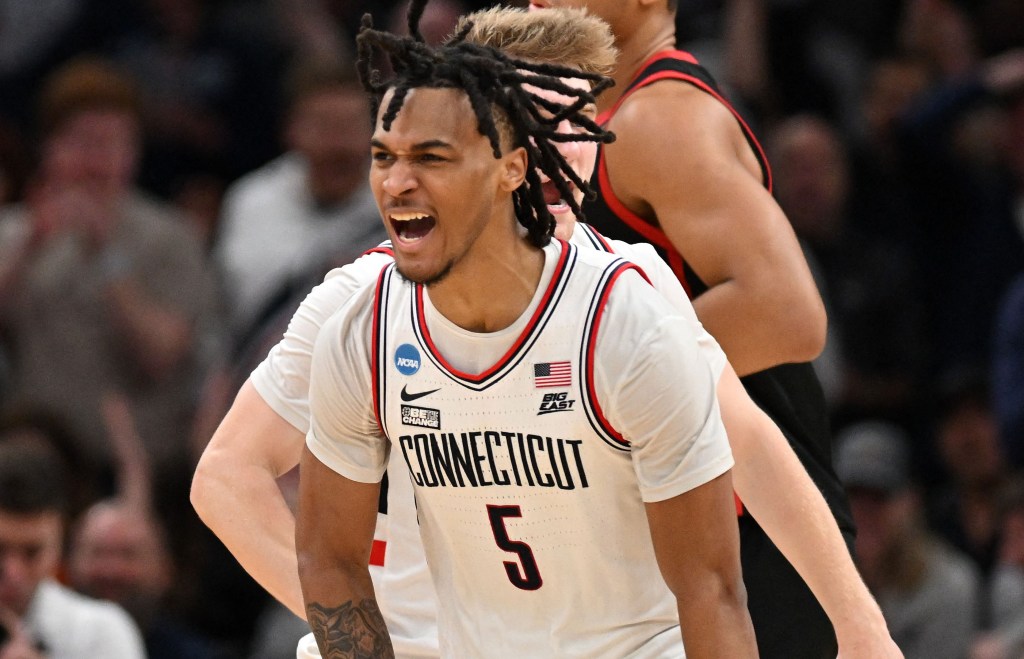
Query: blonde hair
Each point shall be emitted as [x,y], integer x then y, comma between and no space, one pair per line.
[570,37]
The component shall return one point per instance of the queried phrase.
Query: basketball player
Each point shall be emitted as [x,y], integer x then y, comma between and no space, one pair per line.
[687,175]
[571,444]
[253,439]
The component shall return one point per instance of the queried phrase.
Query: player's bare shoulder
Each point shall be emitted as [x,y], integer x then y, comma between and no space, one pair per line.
[678,120]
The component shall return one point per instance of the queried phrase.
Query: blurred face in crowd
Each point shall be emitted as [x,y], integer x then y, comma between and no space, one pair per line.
[95,151]
[882,518]
[969,444]
[811,177]
[893,86]
[330,129]
[118,555]
[30,547]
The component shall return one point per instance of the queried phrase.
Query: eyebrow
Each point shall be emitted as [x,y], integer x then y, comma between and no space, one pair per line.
[419,146]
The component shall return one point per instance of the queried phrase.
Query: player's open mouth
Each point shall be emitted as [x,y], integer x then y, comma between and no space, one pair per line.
[411,227]
[553,198]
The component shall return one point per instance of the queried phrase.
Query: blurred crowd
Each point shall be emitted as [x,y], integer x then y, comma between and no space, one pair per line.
[175,175]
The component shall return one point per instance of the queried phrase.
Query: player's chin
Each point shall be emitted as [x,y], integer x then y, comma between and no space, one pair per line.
[420,271]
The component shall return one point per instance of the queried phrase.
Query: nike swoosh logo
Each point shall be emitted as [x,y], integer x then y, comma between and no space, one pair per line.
[407,397]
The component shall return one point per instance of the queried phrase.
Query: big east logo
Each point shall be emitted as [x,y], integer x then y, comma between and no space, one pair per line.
[555,403]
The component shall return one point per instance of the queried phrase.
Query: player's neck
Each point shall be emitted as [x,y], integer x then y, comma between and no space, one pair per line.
[650,37]
[491,288]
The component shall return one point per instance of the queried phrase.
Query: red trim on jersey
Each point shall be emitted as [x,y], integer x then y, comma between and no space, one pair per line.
[611,250]
[380,250]
[592,346]
[523,336]
[375,362]
[700,84]
[651,233]
[665,54]
[377,552]
[739,504]
[678,266]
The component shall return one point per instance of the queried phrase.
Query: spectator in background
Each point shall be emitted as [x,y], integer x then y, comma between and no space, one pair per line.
[878,160]
[101,288]
[281,223]
[965,187]
[38,426]
[868,282]
[1004,596]
[38,37]
[208,100]
[119,552]
[41,617]
[928,591]
[966,508]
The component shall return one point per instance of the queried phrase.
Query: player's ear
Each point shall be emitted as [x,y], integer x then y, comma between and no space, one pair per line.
[514,164]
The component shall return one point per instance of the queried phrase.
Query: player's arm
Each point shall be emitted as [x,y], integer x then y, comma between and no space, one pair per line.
[696,542]
[660,394]
[234,490]
[235,493]
[334,532]
[341,470]
[692,169]
[776,490]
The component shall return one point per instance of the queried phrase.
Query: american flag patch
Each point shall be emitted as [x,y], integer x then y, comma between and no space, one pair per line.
[552,374]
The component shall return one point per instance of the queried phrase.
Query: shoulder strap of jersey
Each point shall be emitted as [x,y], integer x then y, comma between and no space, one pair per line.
[680,65]
[594,238]
[381,294]
[383,248]
[595,312]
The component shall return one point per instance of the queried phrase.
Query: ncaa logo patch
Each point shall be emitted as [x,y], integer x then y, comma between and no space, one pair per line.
[407,359]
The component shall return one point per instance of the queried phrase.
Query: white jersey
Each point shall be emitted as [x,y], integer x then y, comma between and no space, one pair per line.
[401,581]
[530,469]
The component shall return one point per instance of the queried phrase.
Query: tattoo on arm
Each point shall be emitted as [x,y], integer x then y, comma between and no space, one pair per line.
[350,631]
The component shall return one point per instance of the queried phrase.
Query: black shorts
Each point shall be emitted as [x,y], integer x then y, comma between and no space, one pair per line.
[788,621]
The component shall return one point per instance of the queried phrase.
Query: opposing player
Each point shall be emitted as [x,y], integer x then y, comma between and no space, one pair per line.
[688,176]
[234,486]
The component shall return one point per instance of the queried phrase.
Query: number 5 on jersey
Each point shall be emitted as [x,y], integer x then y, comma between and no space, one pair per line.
[525,574]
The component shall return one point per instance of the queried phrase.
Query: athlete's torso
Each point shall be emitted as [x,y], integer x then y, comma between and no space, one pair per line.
[790,393]
[528,504]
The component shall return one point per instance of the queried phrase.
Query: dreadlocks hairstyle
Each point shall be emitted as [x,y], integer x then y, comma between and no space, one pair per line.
[494,83]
